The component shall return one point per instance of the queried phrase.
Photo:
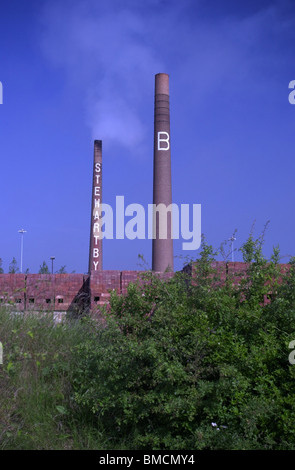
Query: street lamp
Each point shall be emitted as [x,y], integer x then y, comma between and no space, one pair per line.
[22,231]
[52,259]
[232,239]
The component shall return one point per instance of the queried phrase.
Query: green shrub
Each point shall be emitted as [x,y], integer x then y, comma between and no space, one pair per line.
[174,365]
[199,368]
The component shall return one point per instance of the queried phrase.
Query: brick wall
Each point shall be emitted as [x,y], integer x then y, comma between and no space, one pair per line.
[68,292]
[12,290]
[42,292]
[101,282]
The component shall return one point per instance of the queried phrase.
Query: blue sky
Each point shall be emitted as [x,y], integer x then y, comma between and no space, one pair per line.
[75,71]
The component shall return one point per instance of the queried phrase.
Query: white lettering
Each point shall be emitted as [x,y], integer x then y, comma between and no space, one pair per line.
[120,217]
[95,265]
[96,228]
[95,252]
[191,459]
[97,167]
[164,459]
[162,210]
[97,191]
[158,222]
[168,459]
[162,133]
[292,354]
[1,93]
[110,460]
[292,94]
[138,221]
[175,460]
[157,459]
[196,232]
[107,221]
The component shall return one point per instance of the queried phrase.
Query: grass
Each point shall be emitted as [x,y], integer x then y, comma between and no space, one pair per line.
[34,385]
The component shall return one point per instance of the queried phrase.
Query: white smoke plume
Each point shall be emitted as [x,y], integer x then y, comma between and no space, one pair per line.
[111,49]
[105,50]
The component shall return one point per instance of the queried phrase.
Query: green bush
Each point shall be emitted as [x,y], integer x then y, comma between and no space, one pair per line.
[204,367]
[174,365]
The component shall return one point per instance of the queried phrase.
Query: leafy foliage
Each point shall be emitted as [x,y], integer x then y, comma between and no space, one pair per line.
[44,268]
[197,362]
[199,368]
[13,268]
[61,270]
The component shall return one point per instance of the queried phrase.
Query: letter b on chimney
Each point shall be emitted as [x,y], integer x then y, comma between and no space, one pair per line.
[166,144]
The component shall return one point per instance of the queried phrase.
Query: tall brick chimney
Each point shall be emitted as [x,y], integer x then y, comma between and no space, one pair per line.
[162,245]
[95,248]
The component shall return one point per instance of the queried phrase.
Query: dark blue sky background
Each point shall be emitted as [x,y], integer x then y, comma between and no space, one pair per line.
[75,71]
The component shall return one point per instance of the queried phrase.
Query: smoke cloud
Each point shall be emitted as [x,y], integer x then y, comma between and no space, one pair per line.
[105,52]
[110,51]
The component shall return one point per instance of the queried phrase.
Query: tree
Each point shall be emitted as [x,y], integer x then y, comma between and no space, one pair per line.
[44,268]
[13,268]
[1,269]
[61,270]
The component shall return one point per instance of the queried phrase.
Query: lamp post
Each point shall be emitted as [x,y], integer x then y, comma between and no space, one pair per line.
[22,231]
[52,259]
[232,239]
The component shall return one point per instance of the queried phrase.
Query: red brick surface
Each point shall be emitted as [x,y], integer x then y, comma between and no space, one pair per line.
[101,283]
[12,290]
[41,292]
